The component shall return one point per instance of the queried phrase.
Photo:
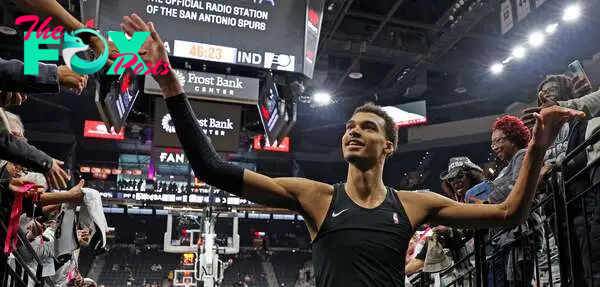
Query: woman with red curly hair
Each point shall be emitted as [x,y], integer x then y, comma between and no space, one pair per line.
[513,266]
[509,135]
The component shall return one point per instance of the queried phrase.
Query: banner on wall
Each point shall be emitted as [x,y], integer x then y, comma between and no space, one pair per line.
[539,3]
[97,129]
[506,17]
[261,143]
[212,87]
[523,9]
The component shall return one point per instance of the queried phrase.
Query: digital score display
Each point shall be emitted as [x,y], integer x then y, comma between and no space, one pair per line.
[269,34]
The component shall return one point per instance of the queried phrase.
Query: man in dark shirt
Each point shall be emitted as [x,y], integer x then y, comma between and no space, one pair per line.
[361,228]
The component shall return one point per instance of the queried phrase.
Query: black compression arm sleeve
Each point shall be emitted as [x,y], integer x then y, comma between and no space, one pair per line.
[205,161]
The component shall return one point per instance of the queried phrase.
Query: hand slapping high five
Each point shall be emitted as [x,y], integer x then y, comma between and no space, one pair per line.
[152,52]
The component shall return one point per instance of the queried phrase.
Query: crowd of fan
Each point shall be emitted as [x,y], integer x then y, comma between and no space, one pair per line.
[434,249]
[39,197]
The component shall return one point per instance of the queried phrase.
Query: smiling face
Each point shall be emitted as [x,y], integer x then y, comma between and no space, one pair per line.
[364,142]
[549,93]
[502,146]
[460,184]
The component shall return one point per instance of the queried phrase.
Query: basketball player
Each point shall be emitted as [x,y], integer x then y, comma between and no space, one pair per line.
[360,229]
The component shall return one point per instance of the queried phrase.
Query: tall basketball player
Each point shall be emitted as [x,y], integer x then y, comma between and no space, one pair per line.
[361,228]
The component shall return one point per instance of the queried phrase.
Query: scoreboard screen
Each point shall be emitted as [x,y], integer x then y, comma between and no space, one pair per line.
[269,34]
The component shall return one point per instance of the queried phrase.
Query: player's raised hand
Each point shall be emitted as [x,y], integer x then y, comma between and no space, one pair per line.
[153,50]
[153,53]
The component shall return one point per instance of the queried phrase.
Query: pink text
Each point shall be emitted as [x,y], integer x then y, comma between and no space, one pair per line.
[44,31]
[139,67]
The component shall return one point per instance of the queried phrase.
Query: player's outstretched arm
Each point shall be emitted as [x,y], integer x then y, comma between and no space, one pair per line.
[516,207]
[208,166]
[291,193]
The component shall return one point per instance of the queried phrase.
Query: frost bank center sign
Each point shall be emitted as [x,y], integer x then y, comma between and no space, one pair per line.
[212,87]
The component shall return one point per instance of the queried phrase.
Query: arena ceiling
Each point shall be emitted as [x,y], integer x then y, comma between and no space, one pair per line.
[411,50]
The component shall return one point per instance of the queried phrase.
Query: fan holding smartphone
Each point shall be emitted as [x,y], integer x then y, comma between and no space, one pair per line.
[582,83]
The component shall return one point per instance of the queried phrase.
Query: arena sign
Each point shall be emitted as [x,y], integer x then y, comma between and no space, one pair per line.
[97,129]
[212,87]
[221,122]
[269,34]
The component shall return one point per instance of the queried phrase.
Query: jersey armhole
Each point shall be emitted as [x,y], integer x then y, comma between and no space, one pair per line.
[329,211]
[402,209]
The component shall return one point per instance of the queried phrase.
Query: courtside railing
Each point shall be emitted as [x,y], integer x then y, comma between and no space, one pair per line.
[558,246]
[14,271]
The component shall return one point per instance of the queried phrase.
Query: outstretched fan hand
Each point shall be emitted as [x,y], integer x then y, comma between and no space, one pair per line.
[549,122]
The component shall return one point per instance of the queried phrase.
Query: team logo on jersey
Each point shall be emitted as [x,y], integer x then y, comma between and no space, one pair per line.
[396,220]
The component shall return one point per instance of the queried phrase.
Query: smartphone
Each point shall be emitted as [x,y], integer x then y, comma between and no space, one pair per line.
[576,69]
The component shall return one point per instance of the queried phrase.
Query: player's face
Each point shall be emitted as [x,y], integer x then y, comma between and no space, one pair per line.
[364,140]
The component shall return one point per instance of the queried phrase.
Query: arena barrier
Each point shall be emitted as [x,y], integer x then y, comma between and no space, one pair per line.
[558,246]
[14,272]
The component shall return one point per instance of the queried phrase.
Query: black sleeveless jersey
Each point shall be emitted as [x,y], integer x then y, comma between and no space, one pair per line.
[357,246]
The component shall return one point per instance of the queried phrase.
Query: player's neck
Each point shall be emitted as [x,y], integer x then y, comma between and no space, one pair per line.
[365,184]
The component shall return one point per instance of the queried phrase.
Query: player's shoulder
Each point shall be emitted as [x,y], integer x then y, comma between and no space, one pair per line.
[306,185]
[421,196]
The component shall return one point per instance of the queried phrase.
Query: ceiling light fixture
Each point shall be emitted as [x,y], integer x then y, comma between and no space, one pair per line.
[496,68]
[572,13]
[322,98]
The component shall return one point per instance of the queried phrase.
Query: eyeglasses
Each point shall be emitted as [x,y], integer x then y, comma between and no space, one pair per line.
[552,89]
[549,87]
[498,141]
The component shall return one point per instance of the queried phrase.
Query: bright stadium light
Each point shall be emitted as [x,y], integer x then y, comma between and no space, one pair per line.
[550,29]
[322,98]
[496,68]
[571,13]
[536,39]
[518,52]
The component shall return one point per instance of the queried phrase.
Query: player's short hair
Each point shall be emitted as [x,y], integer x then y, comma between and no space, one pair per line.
[391,130]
